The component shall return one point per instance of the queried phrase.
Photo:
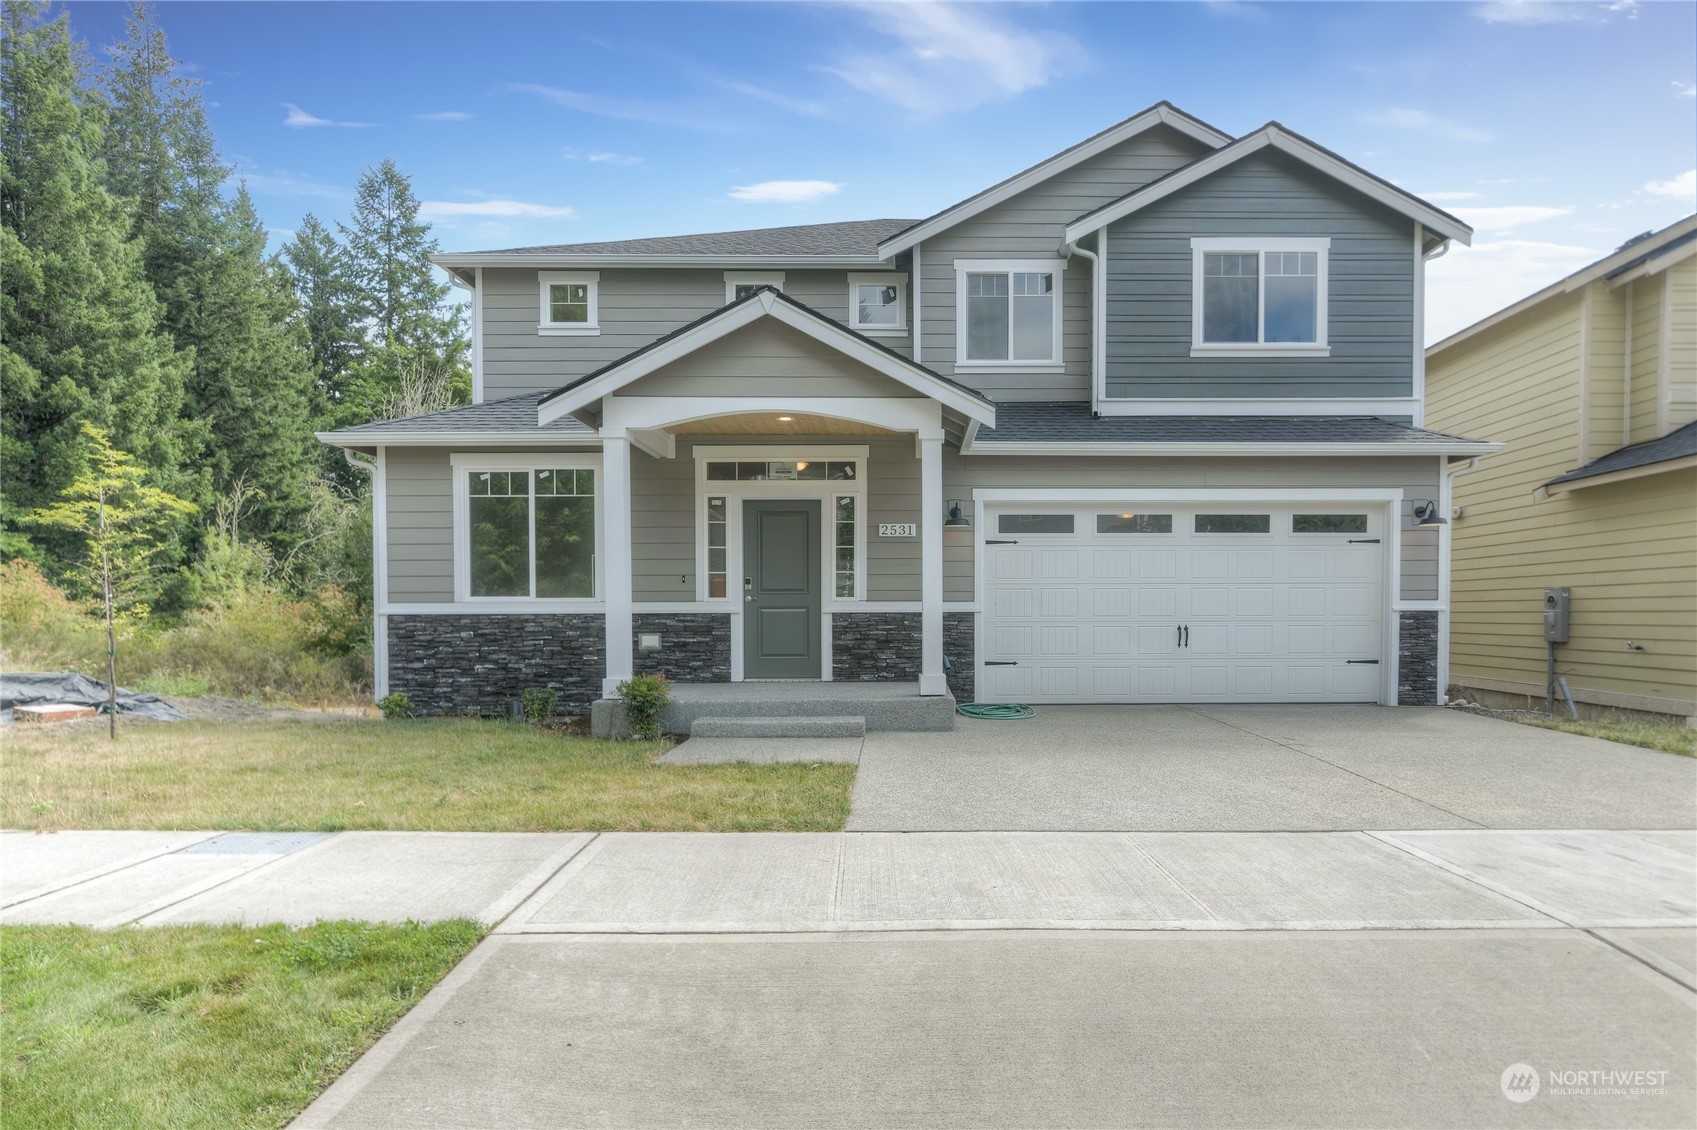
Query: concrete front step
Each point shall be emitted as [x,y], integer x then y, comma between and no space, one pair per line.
[821,726]
[882,706]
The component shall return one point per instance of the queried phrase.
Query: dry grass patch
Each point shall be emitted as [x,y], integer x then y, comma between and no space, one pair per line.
[1650,735]
[443,776]
[201,1026]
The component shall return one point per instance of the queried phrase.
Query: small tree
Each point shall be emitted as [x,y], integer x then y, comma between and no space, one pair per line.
[123,524]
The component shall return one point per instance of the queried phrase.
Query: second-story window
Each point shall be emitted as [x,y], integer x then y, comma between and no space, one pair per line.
[878,303]
[741,284]
[569,302]
[1009,311]
[1259,295]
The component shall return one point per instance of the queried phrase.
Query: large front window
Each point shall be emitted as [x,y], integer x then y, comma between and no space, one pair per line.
[1010,312]
[1260,294]
[530,533]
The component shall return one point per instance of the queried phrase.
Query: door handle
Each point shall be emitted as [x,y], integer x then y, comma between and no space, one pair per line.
[748,600]
[1178,635]
[1187,635]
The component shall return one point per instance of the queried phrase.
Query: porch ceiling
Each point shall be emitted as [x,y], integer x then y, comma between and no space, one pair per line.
[769,424]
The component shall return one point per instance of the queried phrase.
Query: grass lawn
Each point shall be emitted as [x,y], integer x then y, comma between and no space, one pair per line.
[455,776]
[1650,735]
[201,1026]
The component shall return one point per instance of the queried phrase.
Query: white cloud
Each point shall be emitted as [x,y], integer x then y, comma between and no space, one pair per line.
[1510,216]
[785,191]
[606,158]
[1529,13]
[1683,187]
[1399,117]
[279,182]
[1470,283]
[508,209]
[953,57]
[686,116]
[1684,89]
[297,118]
[1441,197]
[443,116]
[784,101]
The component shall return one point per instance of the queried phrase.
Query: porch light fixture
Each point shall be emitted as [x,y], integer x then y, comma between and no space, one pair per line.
[956,517]
[785,419]
[1426,514]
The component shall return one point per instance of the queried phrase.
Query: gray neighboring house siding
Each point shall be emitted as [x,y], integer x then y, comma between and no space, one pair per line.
[1371,291]
[1030,225]
[635,306]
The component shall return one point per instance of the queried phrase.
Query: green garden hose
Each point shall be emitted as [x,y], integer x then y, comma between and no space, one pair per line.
[998,710]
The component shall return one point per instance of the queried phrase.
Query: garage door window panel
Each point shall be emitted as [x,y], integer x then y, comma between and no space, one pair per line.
[1328,524]
[1134,523]
[1234,523]
[1034,524]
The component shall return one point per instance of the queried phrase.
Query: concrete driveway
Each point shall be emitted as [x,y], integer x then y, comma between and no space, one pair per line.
[1263,768]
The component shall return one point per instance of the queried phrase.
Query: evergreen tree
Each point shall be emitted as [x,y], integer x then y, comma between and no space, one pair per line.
[318,270]
[397,296]
[80,329]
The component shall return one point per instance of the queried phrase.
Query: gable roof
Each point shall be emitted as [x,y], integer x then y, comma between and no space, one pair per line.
[1274,136]
[511,419]
[766,302]
[1161,113]
[855,240]
[1648,253]
[1679,444]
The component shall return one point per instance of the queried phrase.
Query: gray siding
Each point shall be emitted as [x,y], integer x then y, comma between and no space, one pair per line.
[1371,291]
[1030,226]
[766,358]
[636,305]
[1417,476]
[420,525]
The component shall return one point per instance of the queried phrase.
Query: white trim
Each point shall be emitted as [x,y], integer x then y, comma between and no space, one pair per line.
[1232,449]
[768,305]
[459,260]
[613,484]
[932,680]
[1056,269]
[1626,371]
[1654,266]
[532,439]
[546,326]
[1292,495]
[1266,406]
[1259,246]
[1584,377]
[1273,136]
[1418,332]
[493,606]
[918,307]
[891,278]
[918,414]
[1161,114]
[734,279]
[477,335]
[380,570]
[1573,282]
[705,451]
[462,465]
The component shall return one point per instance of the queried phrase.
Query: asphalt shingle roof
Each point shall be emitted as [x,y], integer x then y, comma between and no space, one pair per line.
[849,237]
[1072,423]
[1679,444]
[509,414]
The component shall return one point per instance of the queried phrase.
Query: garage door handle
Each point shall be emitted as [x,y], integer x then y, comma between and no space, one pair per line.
[1363,541]
[993,541]
[1000,663]
[1375,662]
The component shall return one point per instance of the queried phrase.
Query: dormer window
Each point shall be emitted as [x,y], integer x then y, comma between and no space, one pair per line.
[569,302]
[1259,296]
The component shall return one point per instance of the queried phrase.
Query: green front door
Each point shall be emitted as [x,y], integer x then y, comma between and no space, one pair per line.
[781,613]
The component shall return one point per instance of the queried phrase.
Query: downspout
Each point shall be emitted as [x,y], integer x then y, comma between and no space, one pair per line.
[1446,547]
[1098,320]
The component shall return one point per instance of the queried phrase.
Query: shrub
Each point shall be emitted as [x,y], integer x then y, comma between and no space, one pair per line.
[395,704]
[644,696]
[176,684]
[539,704]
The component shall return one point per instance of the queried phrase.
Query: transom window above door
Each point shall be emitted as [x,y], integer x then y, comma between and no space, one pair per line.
[1009,312]
[1255,296]
[779,470]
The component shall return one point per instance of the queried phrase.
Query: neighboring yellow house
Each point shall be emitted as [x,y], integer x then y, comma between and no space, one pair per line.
[1592,386]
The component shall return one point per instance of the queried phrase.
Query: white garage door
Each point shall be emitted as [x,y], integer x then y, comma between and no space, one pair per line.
[1234,603]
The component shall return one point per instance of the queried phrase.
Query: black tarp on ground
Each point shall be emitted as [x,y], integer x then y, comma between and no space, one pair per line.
[30,687]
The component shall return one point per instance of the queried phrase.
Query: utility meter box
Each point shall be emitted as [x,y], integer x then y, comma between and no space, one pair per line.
[1558,611]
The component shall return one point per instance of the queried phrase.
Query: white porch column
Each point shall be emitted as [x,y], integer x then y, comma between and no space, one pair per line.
[931,679]
[616,558]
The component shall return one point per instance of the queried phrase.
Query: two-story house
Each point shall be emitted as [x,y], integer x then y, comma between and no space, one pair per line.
[1140,424]
[1591,384]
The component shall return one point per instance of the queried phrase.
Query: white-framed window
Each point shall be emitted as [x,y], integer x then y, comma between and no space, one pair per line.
[570,302]
[728,476]
[527,527]
[878,304]
[1008,313]
[1254,296]
[741,284]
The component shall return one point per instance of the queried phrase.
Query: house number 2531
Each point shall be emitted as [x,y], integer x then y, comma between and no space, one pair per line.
[897,530]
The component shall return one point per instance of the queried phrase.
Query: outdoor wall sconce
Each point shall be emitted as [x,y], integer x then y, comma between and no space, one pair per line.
[956,516]
[1426,514]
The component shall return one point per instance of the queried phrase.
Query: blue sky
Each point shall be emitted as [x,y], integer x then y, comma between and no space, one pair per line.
[1557,129]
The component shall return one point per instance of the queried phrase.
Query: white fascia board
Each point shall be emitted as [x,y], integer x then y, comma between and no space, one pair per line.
[1037,174]
[1680,464]
[1655,266]
[1304,450]
[1580,279]
[1285,142]
[535,439]
[735,318]
[1265,406]
[1187,494]
[461,260]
